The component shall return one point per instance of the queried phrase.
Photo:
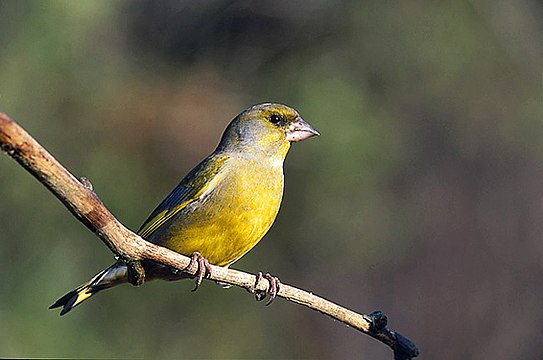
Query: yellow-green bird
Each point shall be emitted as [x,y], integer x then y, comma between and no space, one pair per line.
[224,206]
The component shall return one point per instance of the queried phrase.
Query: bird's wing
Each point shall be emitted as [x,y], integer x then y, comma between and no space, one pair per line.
[199,181]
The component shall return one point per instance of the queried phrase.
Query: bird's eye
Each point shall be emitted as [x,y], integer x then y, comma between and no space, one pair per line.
[275,119]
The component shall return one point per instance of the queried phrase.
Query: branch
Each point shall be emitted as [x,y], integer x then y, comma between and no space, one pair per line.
[84,204]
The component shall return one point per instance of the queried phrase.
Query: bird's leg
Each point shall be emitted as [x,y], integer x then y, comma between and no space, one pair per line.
[272,290]
[203,268]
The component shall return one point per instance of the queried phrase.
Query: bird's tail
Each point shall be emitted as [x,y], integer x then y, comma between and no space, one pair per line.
[113,275]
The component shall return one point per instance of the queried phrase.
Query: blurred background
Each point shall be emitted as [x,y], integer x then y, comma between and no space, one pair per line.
[423,197]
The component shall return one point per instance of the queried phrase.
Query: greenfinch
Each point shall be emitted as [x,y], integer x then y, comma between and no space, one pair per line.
[223,207]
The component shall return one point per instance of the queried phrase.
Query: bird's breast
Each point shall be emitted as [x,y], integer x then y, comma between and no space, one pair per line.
[231,218]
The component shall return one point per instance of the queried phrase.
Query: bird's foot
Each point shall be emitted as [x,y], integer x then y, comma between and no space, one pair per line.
[272,290]
[203,268]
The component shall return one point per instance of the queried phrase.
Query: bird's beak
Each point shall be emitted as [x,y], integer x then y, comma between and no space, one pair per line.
[300,130]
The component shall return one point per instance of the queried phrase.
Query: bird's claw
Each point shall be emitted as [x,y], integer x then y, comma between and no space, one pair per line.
[203,268]
[275,284]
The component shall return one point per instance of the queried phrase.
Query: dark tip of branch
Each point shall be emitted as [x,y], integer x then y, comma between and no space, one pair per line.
[378,321]
[404,349]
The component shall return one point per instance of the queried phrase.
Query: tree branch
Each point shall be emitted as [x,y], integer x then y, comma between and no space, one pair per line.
[84,204]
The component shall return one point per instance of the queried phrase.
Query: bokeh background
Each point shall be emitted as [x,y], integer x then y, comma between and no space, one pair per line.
[423,197]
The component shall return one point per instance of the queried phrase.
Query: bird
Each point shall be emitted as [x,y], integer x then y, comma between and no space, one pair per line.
[222,208]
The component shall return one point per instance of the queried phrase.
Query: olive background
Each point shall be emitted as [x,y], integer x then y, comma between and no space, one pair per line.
[423,197]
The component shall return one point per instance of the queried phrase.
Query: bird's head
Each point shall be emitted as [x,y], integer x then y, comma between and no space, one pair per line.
[268,128]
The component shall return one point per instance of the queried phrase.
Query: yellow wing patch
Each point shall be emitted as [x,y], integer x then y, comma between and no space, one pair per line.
[151,225]
[160,219]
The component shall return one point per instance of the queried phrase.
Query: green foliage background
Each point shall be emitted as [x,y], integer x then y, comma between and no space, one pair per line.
[422,198]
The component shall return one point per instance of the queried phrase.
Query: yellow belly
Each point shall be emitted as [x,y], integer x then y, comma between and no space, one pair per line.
[231,219]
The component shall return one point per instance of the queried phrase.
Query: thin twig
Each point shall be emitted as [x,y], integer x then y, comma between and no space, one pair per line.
[78,197]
